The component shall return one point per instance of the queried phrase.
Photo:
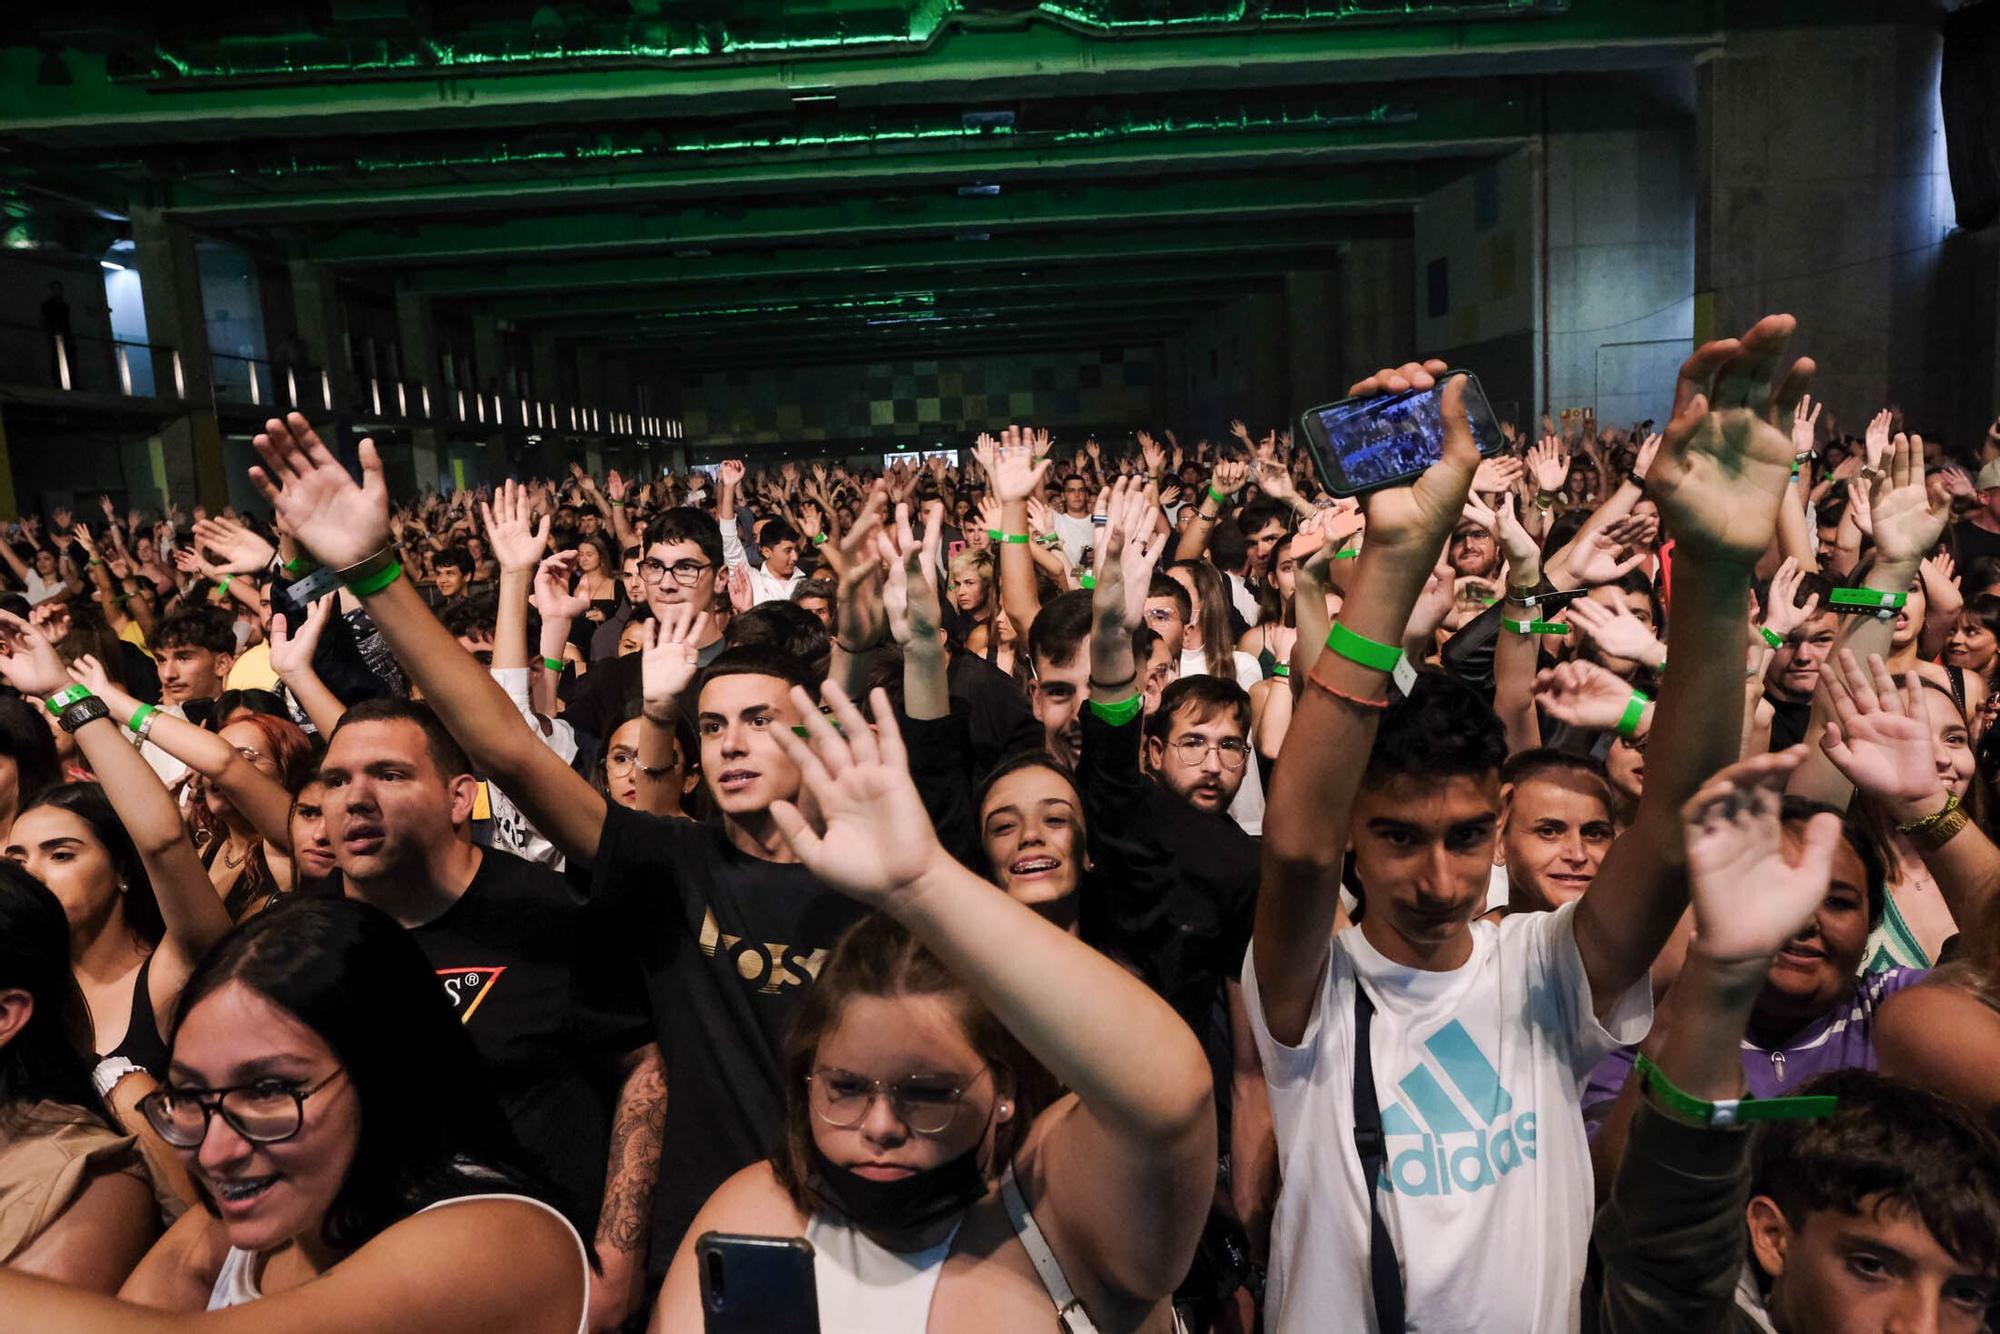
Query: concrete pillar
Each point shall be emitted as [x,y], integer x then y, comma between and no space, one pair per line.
[1312,324]
[416,331]
[1821,194]
[170,282]
[323,326]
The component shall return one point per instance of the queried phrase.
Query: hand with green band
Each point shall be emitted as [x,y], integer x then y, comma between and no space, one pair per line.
[1583,694]
[339,522]
[1751,897]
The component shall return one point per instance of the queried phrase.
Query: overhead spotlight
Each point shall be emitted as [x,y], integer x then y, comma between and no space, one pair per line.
[112,265]
[992,119]
[973,236]
[977,191]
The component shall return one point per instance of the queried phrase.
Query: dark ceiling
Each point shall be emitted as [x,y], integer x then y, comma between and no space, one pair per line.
[717,184]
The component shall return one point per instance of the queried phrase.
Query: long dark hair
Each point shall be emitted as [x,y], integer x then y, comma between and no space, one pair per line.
[430,1128]
[26,740]
[49,1058]
[878,956]
[87,802]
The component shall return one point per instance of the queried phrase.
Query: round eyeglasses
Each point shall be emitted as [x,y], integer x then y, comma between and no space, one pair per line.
[686,573]
[1193,750]
[268,1111]
[924,1103]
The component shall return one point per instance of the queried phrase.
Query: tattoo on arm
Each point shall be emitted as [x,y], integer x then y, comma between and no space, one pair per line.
[633,1165]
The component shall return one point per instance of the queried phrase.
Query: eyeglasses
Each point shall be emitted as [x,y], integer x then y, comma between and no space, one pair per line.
[924,1103]
[1162,615]
[269,1111]
[1193,750]
[686,573]
[622,762]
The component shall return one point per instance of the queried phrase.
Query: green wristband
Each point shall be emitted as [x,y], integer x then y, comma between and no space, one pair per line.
[1220,497]
[369,585]
[1771,637]
[993,534]
[67,696]
[298,564]
[555,665]
[1535,627]
[819,539]
[1350,553]
[1726,1111]
[1870,598]
[1120,713]
[1363,650]
[616,504]
[1635,710]
[1018,539]
[1086,580]
[1280,670]
[136,724]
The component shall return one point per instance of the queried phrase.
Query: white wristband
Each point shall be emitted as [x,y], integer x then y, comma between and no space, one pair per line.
[109,1071]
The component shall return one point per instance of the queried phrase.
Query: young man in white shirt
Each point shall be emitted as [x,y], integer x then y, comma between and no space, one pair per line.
[778,543]
[1474,1211]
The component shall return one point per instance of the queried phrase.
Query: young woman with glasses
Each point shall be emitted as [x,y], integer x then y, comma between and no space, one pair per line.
[937,1193]
[348,1183]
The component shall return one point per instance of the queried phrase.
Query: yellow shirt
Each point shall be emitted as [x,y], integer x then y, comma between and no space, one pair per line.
[132,634]
[253,670]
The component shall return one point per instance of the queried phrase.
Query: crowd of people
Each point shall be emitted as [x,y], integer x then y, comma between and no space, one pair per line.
[1108,886]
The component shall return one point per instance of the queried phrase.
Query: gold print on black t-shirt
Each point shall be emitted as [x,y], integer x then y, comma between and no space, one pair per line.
[468,988]
[773,965]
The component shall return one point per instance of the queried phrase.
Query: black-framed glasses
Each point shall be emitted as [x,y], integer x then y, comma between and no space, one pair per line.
[686,573]
[1193,750]
[924,1103]
[269,1111]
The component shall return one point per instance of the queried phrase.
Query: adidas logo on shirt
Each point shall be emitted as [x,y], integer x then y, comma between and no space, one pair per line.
[1454,1108]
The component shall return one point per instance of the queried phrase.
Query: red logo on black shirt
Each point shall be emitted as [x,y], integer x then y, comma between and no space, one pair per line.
[467,988]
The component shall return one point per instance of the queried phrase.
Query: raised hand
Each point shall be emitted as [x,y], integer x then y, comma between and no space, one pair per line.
[552,596]
[1548,463]
[1616,631]
[88,671]
[614,486]
[670,659]
[869,837]
[1496,475]
[1605,554]
[1583,694]
[1421,516]
[518,542]
[1880,735]
[1905,525]
[1648,451]
[730,473]
[1155,457]
[1954,481]
[1229,476]
[339,522]
[1523,556]
[1875,440]
[1725,461]
[1749,897]
[242,551]
[909,588]
[1274,479]
[292,650]
[1786,613]
[28,661]
[1805,423]
[1013,469]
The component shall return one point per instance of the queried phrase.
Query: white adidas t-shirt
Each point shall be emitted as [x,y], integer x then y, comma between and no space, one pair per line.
[1477,1072]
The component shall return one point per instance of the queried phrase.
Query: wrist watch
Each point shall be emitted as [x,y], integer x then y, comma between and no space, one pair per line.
[109,1071]
[86,710]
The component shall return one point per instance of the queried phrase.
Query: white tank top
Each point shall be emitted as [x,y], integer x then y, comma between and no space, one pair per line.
[866,1289]
[236,1282]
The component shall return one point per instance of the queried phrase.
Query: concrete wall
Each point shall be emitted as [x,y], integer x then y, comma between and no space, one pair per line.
[1237,366]
[1620,242]
[1821,193]
[1476,277]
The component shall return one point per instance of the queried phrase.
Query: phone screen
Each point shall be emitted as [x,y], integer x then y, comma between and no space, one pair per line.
[1373,442]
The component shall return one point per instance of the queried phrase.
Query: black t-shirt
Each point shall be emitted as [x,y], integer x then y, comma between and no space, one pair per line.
[1971,542]
[551,998]
[1789,721]
[728,943]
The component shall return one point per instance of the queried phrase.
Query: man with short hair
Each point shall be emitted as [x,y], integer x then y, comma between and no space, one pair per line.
[1977,534]
[1555,827]
[818,596]
[548,995]
[1424,1065]
[1793,672]
[194,649]
[1074,524]
[1062,671]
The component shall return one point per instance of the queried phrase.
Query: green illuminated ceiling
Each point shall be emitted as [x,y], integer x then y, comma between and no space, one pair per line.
[690,182]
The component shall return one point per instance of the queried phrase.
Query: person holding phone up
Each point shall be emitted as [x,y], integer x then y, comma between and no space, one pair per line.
[937,1192]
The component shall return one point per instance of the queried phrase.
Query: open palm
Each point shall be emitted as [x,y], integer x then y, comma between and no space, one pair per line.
[338,521]
[1726,456]
[1749,898]
[1880,734]
[872,839]
[292,649]
[1899,506]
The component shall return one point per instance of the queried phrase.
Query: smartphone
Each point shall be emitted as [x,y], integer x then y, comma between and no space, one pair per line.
[756,1285]
[1365,444]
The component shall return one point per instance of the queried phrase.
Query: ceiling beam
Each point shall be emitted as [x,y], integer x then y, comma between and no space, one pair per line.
[356,92]
[1391,188]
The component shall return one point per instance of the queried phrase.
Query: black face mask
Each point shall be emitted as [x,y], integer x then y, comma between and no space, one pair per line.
[906,1204]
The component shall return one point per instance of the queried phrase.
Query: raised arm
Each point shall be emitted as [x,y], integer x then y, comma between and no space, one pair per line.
[1013,472]
[910,599]
[729,477]
[292,658]
[1672,1235]
[1223,484]
[188,903]
[1128,1176]
[1333,727]
[517,543]
[347,527]
[1720,474]
[667,667]
[1516,653]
